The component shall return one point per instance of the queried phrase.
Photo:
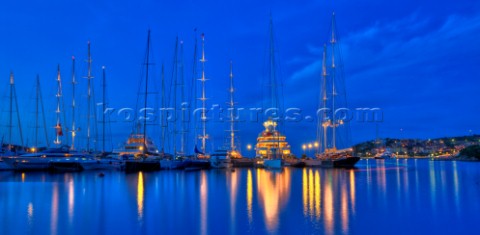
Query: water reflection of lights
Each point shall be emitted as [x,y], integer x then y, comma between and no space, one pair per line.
[54,211]
[382,176]
[405,176]
[311,189]
[455,184]
[305,191]
[310,192]
[317,194]
[328,207]
[328,196]
[71,200]
[432,183]
[203,203]
[352,190]
[233,198]
[344,208]
[274,191]
[249,195]
[30,213]
[140,196]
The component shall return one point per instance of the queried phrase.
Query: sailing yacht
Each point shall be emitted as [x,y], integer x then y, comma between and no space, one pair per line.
[146,156]
[327,126]
[43,160]
[176,161]
[201,159]
[9,149]
[222,158]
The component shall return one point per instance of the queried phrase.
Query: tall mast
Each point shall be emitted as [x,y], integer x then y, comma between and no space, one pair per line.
[273,75]
[232,112]
[333,41]
[58,126]
[89,95]
[324,96]
[74,83]
[164,113]
[147,63]
[273,83]
[37,99]
[10,122]
[183,130]
[204,135]
[104,106]
[174,100]
[13,98]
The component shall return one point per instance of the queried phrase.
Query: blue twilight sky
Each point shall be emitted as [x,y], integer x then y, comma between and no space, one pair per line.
[418,61]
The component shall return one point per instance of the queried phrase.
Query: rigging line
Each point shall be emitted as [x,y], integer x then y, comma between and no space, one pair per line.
[182,100]
[164,112]
[43,115]
[95,121]
[173,86]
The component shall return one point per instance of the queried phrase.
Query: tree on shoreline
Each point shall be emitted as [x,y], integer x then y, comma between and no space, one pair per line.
[472,151]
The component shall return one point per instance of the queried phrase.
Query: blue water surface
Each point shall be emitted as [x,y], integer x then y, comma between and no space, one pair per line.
[378,197]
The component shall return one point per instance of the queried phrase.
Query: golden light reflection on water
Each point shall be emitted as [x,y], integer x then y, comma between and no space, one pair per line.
[140,196]
[328,196]
[233,198]
[344,208]
[311,193]
[23,177]
[273,191]
[328,207]
[203,203]
[249,195]
[352,190]
[317,194]
[305,191]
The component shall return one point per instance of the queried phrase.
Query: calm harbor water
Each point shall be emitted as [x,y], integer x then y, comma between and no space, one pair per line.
[378,197]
